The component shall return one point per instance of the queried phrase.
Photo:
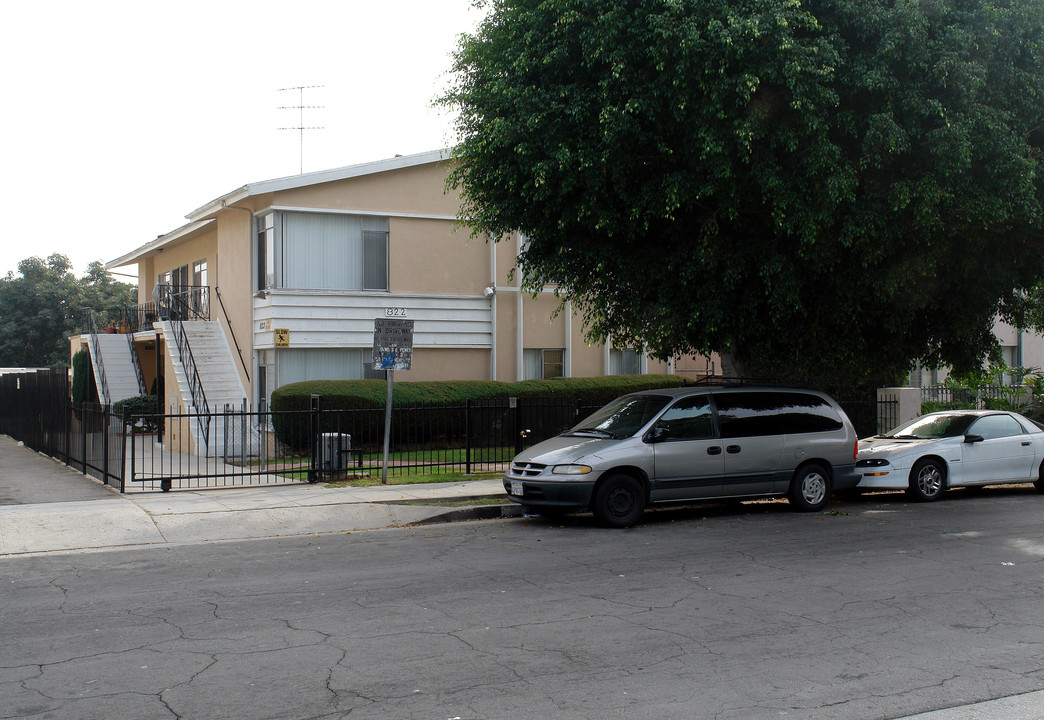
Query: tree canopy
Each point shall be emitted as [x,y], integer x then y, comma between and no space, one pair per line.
[826,189]
[41,307]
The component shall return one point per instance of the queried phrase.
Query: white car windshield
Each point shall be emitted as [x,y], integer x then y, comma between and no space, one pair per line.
[623,417]
[932,427]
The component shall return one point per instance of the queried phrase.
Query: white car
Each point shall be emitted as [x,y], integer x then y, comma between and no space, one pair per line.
[953,448]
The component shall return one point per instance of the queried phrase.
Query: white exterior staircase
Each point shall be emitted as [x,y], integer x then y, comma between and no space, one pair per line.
[222,386]
[114,356]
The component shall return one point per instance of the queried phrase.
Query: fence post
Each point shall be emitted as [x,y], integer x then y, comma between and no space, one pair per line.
[467,436]
[123,452]
[518,425]
[105,443]
[83,435]
[314,470]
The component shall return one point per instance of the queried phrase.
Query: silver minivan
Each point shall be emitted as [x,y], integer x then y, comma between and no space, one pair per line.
[690,443]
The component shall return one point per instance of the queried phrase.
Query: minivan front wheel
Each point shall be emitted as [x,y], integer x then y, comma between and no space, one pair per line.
[809,488]
[619,501]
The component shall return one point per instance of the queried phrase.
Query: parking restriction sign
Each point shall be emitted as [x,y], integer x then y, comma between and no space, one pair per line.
[392,344]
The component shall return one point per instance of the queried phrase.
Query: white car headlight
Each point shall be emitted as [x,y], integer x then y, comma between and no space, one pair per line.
[570,469]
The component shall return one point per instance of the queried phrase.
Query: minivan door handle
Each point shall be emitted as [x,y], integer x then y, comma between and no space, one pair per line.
[714,450]
[732,449]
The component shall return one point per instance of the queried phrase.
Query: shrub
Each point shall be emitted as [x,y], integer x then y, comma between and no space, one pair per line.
[144,409]
[291,402]
[83,376]
[372,393]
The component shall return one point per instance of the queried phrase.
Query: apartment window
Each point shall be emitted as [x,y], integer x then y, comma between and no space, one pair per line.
[266,251]
[624,362]
[375,260]
[200,293]
[179,278]
[323,251]
[540,364]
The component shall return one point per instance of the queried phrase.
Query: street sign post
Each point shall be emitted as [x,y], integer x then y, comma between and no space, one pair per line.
[392,350]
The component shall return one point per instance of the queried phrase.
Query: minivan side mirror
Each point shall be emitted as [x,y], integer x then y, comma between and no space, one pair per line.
[973,438]
[657,434]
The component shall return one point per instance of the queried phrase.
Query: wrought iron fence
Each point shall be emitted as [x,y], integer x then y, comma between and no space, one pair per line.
[277,447]
[239,450]
[295,446]
[35,409]
[945,396]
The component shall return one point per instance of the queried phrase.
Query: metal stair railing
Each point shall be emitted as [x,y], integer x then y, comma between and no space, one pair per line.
[232,330]
[92,331]
[138,374]
[199,398]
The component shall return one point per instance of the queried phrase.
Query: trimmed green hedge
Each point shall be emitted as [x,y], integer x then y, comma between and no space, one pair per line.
[145,407]
[339,394]
[358,404]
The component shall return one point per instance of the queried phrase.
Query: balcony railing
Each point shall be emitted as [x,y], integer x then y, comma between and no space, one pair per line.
[171,303]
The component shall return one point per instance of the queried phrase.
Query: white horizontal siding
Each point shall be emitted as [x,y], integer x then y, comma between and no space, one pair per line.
[340,319]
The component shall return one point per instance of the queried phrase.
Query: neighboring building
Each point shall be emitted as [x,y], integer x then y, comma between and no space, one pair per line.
[280,281]
[1018,349]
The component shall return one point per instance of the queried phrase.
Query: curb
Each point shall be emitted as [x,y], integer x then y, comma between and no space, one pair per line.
[475,512]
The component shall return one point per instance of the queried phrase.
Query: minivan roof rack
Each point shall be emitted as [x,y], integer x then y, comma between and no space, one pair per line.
[727,381]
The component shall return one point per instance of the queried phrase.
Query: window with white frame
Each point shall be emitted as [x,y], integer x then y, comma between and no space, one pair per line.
[323,251]
[541,364]
[266,251]
[624,362]
[200,297]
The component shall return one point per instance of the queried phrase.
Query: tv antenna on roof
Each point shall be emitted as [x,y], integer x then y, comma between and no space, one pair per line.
[301,107]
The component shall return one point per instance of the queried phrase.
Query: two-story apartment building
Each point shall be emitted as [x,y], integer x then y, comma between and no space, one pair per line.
[281,281]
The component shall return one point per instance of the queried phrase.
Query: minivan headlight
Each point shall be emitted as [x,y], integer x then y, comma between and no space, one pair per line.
[571,469]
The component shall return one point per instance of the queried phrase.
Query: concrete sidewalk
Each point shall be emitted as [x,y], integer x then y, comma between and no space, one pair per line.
[110,520]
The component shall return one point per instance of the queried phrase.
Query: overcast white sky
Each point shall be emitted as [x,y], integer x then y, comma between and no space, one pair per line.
[120,117]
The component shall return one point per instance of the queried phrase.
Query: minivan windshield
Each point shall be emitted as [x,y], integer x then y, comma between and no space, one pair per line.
[623,417]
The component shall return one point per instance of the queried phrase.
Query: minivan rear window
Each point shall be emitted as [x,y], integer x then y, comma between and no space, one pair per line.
[747,414]
[774,413]
[804,413]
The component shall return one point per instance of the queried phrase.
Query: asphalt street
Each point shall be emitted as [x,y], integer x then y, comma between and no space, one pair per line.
[875,609]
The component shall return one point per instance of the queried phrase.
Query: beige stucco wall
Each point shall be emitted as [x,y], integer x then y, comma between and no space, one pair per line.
[432,256]
[146,350]
[506,251]
[194,248]
[232,283]
[416,190]
[449,364]
[176,433]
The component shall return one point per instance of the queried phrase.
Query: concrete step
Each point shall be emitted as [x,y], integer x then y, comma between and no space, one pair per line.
[218,375]
[115,359]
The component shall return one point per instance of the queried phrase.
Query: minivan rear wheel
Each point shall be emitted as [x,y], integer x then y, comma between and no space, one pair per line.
[619,501]
[809,488]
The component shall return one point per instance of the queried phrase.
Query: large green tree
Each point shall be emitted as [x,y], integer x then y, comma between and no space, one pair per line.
[825,189]
[41,307]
